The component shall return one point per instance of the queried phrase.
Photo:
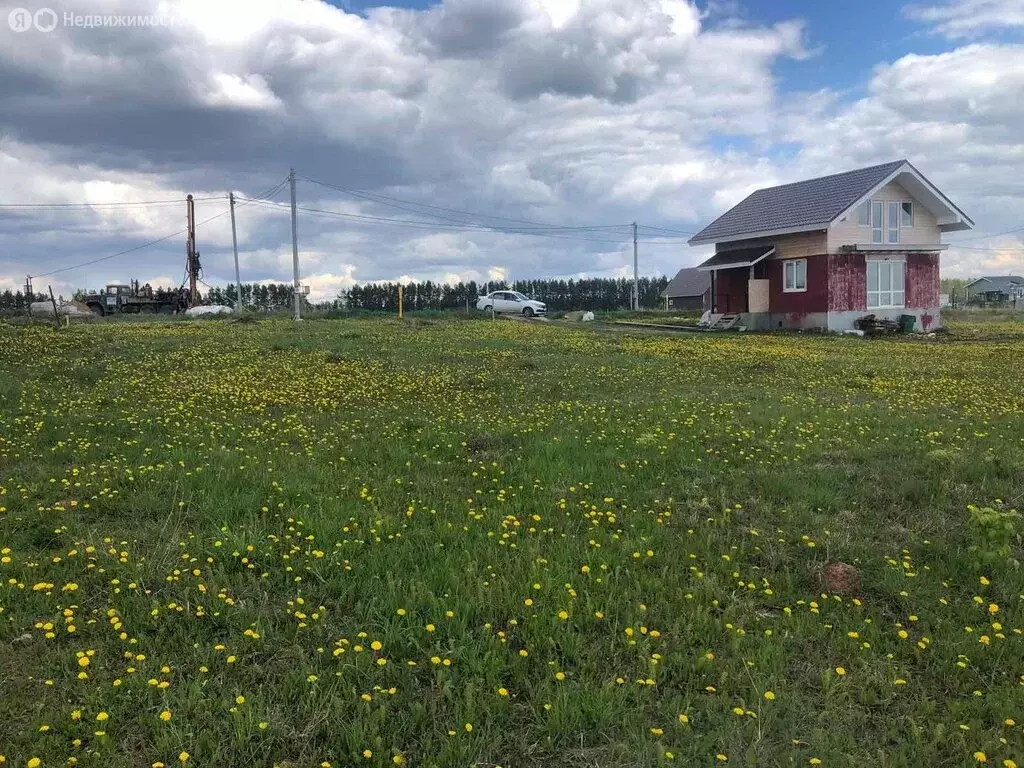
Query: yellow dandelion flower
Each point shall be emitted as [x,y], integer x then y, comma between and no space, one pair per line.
[165,715]
[840,671]
[770,695]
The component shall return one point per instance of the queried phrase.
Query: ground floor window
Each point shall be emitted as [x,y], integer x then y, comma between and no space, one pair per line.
[886,284]
[795,275]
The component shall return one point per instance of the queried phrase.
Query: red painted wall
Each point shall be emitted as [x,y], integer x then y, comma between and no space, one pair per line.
[922,281]
[847,282]
[814,299]
[731,290]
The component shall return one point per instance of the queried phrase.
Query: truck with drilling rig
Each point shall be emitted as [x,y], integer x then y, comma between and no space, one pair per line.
[135,299]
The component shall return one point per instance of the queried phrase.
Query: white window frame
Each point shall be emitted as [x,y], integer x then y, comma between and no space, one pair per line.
[912,212]
[864,214]
[891,297]
[878,221]
[892,228]
[798,271]
[876,215]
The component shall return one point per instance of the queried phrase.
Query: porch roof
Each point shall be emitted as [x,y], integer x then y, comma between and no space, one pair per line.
[739,257]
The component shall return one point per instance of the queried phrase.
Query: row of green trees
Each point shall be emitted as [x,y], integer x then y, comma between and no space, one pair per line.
[272,297]
[593,293]
[15,302]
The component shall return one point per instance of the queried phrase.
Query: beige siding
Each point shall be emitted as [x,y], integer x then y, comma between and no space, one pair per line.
[924,232]
[797,245]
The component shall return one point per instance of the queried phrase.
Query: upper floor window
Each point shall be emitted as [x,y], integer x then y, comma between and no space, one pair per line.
[893,230]
[886,219]
[877,209]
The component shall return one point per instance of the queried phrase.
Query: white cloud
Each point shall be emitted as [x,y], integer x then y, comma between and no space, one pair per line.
[597,112]
[958,19]
[250,92]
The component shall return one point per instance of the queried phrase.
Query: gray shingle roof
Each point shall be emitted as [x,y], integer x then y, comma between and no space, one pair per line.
[688,281]
[790,206]
[1001,283]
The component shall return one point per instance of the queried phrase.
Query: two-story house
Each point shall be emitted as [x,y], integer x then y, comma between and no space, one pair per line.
[823,253]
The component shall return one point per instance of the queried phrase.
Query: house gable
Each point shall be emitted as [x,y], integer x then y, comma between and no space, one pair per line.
[925,231]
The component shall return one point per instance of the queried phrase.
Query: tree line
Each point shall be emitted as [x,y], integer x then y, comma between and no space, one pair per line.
[15,302]
[591,293]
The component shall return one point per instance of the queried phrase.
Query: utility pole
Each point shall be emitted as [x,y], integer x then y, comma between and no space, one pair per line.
[234,246]
[295,248]
[191,255]
[29,295]
[636,278]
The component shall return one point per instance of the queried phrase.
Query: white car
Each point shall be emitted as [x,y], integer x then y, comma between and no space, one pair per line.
[511,302]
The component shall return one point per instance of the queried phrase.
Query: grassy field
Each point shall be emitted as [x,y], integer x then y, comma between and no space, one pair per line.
[506,544]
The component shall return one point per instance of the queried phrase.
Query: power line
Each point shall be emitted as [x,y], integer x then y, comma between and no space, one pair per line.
[395,202]
[994,250]
[989,237]
[270,192]
[125,252]
[663,229]
[43,206]
[462,227]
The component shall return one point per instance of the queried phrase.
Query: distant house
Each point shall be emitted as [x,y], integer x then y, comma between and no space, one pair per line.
[996,290]
[690,290]
[823,253]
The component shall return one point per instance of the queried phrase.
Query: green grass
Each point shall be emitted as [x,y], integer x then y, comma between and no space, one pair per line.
[622,533]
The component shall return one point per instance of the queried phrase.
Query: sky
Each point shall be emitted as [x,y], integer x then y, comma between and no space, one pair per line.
[481,139]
